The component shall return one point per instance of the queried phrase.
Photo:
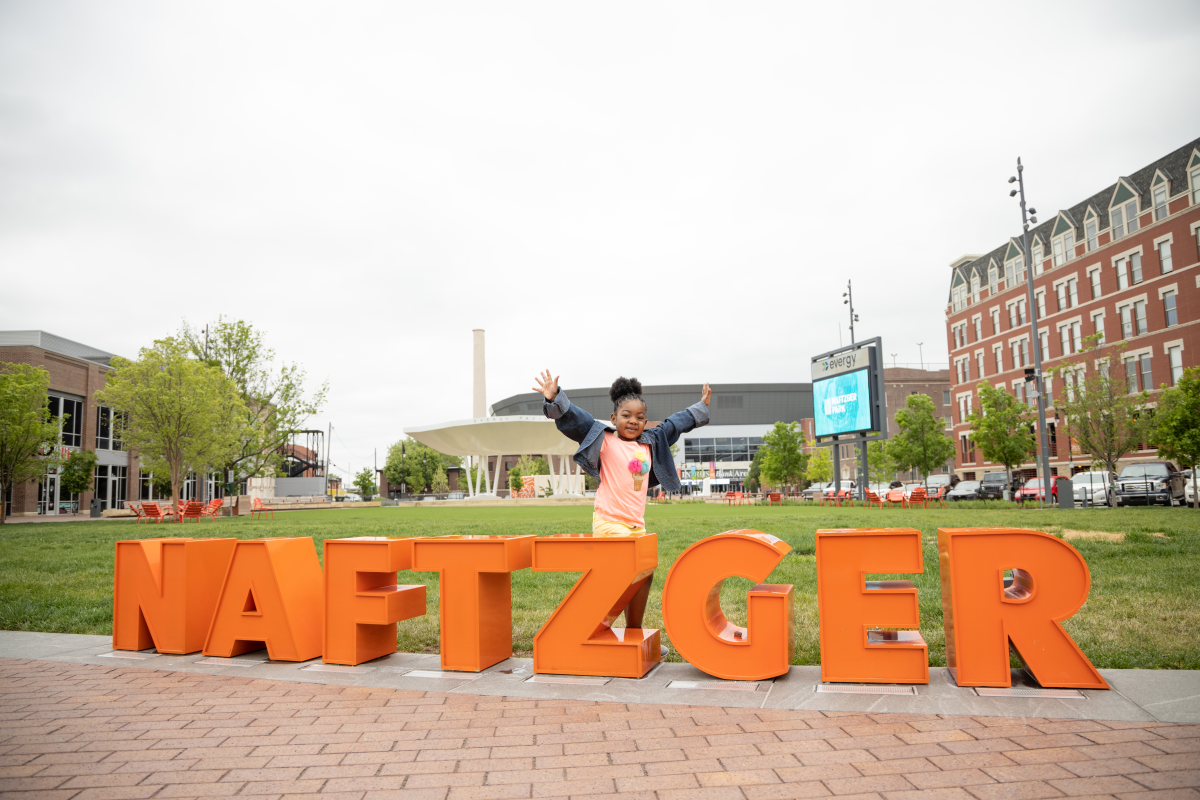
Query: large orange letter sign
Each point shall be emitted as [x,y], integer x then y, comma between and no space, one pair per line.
[697,625]
[475,594]
[852,609]
[272,599]
[982,617]
[165,590]
[362,601]
[579,639]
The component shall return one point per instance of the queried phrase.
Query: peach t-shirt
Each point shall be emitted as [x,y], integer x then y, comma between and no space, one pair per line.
[617,500]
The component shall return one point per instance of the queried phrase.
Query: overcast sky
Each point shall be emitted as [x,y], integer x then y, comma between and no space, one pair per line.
[673,191]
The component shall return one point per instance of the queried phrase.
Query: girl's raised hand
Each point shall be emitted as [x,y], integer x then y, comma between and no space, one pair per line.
[549,386]
[706,394]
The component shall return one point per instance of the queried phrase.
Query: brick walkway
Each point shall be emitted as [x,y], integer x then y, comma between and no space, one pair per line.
[79,731]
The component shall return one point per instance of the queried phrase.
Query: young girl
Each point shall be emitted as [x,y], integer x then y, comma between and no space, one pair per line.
[625,456]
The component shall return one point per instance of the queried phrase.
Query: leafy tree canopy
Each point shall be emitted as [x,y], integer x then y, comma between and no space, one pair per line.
[880,464]
[1001,427]
[27,433]
[79,471]
[415,464]
[364,481]
[1176,431]
[820,465]
[920,443]
[783,462]
[276,402]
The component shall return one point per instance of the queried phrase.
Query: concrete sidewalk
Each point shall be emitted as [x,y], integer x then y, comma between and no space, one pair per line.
[1136,696]
[76,731]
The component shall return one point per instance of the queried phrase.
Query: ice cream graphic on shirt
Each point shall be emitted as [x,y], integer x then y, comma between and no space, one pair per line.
[638,467]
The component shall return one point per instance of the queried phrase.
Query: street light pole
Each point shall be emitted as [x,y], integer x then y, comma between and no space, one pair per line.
[921,354]
[1035,340]
[849,295]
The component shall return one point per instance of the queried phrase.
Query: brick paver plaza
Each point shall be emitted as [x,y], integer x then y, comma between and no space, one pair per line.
[81,731]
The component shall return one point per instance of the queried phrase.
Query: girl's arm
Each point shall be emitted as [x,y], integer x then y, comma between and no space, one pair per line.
[694,416]
[570,419]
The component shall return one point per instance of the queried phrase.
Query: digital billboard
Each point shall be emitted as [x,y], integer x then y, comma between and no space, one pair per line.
[842,403]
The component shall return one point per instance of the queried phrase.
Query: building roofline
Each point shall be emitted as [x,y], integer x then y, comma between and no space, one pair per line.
[56,344]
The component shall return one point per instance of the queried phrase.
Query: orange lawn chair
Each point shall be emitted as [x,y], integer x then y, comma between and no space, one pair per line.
[897,496]
[153,512]
[918,497]
[939,498]
[190,510]
[212,508]
[774,499]
[874,499]
[259,508]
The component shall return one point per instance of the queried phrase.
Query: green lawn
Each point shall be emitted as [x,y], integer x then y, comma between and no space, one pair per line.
[1143,612]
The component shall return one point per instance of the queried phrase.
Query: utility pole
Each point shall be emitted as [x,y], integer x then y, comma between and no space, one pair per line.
[849,301]
[1035,342]
[921,354]
[328,447]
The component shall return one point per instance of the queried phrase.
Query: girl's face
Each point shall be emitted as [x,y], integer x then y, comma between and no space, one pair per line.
[630,419]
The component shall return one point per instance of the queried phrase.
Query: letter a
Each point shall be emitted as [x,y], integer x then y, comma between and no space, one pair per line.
[474,594]
[852,610]
[362,601]
[983,616]
[272,599]
[698,627]
[579,639]
[165,590]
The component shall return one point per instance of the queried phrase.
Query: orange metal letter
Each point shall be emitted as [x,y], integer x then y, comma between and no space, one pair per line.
[271,598]
[697,625]
[852,609]
[983,618]
[579,639]
[475,594]
[165,590]
[362,601]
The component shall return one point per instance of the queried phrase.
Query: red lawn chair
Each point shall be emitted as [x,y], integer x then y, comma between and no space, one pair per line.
[897,496]
[918,497]
[939,498]
[190,510]
[137,509]
[874,499]
[212,508]
[774,499]
[152,512]
[729,498]
[259,508]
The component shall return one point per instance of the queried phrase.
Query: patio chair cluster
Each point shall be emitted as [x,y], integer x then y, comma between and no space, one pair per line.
[919,498]
[147,511]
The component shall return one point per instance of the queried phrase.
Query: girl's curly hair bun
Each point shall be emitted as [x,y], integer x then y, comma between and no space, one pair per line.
[624,389]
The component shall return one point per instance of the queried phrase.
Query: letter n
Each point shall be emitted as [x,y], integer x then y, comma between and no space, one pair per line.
[271,598]
[579,639]
[984,614]
[363,603]
[165,590]
[696,623]
[859,618]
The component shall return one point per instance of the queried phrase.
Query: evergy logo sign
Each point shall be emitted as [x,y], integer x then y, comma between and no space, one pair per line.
[840,363]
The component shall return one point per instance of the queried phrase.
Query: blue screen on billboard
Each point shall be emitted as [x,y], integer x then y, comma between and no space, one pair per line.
[842,403]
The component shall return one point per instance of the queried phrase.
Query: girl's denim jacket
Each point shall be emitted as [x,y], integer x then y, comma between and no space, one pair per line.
[582,427]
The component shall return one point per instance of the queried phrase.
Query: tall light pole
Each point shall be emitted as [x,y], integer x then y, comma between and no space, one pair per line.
[921,354]
[1027,218]
[893,355]
[849,301]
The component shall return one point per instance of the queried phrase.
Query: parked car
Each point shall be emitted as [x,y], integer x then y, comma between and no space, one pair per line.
[1189,488]
[966,490]
[1093,488]
[815,491]
[995,484]
[1033,490]
[1150,482]
[933,483]
[350,497]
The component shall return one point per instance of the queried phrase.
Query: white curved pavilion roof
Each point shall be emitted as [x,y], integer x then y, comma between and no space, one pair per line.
[511,436]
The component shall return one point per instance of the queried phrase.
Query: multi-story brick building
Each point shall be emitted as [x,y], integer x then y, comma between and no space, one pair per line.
[1124,263]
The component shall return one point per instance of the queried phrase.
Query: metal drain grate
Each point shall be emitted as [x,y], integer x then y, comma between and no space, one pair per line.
[567,679]
[1060,694]
[336,668]
[228,662]
[129,654]
[831,688]
[433,673]
[723,686]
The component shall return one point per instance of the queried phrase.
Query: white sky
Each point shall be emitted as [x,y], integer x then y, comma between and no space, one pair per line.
[673,191]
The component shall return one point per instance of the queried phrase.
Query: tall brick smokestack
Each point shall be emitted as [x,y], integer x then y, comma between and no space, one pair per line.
[479,387]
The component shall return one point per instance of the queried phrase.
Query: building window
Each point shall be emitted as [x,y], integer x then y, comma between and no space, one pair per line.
[992,279]
[979,358]
[1147,373]
[1126,321]
[1090,230]
[963,408]
[978,329]
[1044,345]
[1160,202]
[958,295]
[1024,352]
[109,426]
[996,318]
[1095,277]
[1129,271]
[1064,248]
[1062,297]
[1041,304]
[1072,338]
[945,397]
[1169,307]
[1019,392]
[1037,258]
[1124,219]
[68,415]
[1064,335]
[1196,186]
[967,369]
[1139,312]
[1021,312]
[1175,358]
[975,287]
[1073,292]
[1131,373]
[1098,325]
[1164,257]
[1135,268]
[999,353]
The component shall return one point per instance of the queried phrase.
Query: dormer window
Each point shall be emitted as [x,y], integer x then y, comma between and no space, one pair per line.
[1038,256]
[1091,230]
[994,274]
[1160,201]
[958,294]
[1124,219]
[1064,248]
[1014,271]
[1194,175]
[975,286]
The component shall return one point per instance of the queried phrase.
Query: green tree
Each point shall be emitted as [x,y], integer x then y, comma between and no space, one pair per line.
[440,483]
[532,465]
[78,472]
[783,461]
[879,463]
[1176,431]
[276,402]
[414,464]
[820,465]
[364,481]
[1002,427]
[919,444]
[1103,416]
[754,474]
[514,479]
[27,433]
[184,415]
